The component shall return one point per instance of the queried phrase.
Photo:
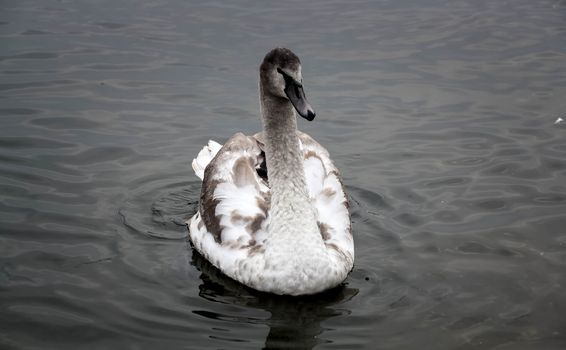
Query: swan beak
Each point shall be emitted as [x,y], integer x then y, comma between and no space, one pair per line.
[296,95]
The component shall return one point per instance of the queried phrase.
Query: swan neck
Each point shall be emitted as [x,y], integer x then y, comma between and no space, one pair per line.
[283,154]
[291,214]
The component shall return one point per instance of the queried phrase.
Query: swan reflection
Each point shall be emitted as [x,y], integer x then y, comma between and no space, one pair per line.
[294,322]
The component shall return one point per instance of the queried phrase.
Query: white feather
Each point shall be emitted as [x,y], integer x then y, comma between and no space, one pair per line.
[204,157]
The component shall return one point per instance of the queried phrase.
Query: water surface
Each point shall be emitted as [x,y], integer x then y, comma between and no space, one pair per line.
[440,115]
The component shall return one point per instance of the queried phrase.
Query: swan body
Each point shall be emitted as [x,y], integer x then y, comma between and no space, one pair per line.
[273,213]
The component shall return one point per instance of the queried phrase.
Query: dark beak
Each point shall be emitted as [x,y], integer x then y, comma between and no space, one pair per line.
[296,95]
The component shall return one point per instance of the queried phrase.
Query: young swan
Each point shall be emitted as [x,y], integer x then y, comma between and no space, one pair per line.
[273,213]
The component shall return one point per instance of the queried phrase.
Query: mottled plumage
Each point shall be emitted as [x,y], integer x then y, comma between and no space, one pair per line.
[273,213]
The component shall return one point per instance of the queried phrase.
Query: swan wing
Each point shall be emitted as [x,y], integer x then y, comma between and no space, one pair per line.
[328,196]
[230,223]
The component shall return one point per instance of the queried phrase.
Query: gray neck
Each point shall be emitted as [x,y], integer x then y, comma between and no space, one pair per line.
[284,157]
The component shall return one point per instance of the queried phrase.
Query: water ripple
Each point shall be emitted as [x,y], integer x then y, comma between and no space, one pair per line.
[439,114]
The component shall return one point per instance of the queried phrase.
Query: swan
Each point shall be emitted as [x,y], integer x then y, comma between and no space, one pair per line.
[273,212]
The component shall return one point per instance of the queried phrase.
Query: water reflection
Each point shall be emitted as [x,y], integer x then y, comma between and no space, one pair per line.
[295,322]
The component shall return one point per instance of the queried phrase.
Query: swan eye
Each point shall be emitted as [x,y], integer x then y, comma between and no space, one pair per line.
[288,78]
[285,75]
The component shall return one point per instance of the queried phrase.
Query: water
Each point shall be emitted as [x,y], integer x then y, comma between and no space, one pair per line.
[440,115]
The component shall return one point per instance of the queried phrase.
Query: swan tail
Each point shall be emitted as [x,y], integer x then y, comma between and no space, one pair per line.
[204,157]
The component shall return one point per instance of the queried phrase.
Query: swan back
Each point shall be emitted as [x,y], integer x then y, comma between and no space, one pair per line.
[231,227]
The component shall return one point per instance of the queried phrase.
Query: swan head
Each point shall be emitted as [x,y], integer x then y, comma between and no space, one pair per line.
[280,76]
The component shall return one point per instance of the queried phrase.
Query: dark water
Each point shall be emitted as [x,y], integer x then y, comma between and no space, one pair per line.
[440,115]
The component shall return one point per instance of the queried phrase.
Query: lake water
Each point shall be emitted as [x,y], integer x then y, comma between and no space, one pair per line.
[439,114]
